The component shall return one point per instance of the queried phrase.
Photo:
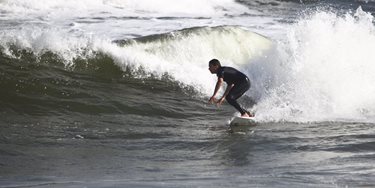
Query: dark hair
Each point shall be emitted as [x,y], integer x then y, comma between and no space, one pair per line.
[214,62]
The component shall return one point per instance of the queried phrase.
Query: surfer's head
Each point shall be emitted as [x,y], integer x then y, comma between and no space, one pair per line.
[214,65]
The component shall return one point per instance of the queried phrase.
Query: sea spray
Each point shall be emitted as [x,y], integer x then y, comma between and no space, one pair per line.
[330,65]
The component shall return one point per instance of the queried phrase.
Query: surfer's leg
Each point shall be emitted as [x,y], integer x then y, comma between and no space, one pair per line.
[236,92]
[232,101]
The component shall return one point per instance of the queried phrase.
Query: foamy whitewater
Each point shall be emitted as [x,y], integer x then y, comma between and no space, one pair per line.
[109,93]
[324,71]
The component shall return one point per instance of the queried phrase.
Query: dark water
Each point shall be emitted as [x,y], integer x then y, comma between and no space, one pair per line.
[91,121]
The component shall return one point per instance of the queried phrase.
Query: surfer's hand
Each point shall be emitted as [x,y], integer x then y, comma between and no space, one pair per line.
[212,100]
[220,101]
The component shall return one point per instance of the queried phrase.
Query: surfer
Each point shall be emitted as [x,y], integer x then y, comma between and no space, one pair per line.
[237,84]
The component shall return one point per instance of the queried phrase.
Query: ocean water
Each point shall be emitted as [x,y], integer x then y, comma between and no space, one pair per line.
[113,93]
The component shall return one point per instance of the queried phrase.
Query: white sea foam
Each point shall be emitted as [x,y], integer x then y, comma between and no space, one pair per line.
[40,40]
[67,8]
[326,71]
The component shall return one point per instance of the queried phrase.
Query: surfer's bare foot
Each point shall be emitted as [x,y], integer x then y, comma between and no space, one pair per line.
[250,114]
[245,115]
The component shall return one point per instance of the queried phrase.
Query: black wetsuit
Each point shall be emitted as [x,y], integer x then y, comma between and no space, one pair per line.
[241,85]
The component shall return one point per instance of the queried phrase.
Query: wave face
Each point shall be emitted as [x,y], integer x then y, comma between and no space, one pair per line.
[39,65]
[325,71]
[184,54]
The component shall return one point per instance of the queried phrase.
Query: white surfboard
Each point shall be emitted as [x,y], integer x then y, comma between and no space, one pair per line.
[242,123]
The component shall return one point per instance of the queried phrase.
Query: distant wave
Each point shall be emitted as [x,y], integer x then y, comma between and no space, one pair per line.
[70,8]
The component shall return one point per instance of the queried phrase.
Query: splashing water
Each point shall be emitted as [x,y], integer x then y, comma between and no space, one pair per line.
[326,71]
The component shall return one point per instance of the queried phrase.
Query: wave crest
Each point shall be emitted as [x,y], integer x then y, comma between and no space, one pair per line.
[183,55]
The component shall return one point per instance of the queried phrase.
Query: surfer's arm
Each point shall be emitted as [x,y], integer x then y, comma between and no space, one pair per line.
[229,87]
[217,87]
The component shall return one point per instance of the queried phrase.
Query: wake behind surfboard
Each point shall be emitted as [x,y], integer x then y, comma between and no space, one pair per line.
[242,123]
